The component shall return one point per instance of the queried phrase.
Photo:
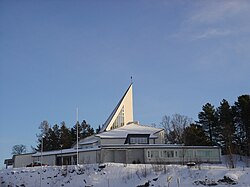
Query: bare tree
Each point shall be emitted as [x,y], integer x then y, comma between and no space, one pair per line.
[174,127]
[44,128]
[166,126]
[19,149]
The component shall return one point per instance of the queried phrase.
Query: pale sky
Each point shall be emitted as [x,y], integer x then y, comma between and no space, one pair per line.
[58,55]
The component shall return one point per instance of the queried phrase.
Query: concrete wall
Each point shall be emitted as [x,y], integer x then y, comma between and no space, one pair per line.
[107,155]
[22,160]
[89,157]
[120,156]
[47,159]
[112,155]
[135,156]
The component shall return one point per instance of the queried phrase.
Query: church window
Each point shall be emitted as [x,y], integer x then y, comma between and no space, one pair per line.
[138,140]
[119,121]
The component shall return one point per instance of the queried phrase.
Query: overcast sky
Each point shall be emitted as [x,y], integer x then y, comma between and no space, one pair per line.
[58,55]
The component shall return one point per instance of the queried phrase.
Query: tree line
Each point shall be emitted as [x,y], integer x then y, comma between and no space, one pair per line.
[225,126]
[61,137]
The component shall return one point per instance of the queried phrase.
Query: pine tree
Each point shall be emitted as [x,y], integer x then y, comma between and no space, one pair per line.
[54,138]
[226,123]
[90,131]
[209,122]
[74,132]
[242,121]
[84,126]
[87,130]
[98,129]
[195,136]
[225,117]
[65,136]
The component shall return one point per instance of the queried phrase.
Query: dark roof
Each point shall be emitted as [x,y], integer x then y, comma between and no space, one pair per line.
[105,125]
[8,161]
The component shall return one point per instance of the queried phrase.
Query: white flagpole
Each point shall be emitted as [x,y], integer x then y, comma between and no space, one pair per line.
[77,136]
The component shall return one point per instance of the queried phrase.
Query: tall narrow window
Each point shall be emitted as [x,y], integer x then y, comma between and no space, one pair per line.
[119,121]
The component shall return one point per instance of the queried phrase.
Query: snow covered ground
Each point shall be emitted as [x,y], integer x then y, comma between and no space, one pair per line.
[122,175]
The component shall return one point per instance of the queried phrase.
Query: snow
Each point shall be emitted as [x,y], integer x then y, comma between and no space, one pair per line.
[132,128]
[63,151]
[126,175]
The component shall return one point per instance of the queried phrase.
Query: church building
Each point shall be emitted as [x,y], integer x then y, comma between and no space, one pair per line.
[123,140]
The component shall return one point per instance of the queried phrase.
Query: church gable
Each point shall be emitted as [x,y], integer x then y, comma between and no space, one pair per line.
[123,112]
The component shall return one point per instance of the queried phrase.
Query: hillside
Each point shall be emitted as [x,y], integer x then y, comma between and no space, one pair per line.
[121,175]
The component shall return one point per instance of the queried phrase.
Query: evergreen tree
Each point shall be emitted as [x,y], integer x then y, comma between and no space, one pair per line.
[98,129]
[74,132]
[90,131]
[65,136]
[84,126]
[195,136]
[86,130]
[242,121]
[226,124]
[44,142]
[54,138]
[209,122]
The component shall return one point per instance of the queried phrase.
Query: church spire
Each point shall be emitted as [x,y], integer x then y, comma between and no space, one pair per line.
[123,112]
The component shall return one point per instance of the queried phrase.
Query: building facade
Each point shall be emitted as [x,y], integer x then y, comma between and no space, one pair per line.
[123,140]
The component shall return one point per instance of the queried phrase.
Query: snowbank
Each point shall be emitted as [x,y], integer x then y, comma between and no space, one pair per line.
[123,175]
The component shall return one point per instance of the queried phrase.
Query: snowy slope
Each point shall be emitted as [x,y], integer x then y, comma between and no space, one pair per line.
[121,175]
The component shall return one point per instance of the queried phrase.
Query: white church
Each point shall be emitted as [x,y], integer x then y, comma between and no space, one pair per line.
[123,140]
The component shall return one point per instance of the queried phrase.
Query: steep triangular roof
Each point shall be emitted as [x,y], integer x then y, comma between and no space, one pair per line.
[123,112]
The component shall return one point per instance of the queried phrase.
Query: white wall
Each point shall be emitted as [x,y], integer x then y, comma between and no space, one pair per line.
[89,157]
[135,155]
[107,155]
[22,160]
[47,159]
[161,138]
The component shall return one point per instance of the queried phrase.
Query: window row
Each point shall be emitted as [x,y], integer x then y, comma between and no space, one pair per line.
[138,140]
[182,153]
[162,154]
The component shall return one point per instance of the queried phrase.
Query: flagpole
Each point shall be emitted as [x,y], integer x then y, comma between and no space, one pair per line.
[77,136]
